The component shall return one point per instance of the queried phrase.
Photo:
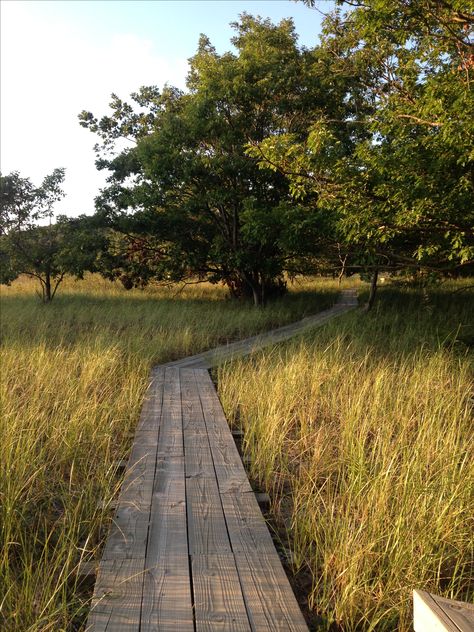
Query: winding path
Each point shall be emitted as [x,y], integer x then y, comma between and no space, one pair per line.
[189,549]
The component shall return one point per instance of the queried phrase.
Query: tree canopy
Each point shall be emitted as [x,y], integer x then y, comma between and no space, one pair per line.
[201,205]
[355,154]
[278,158]
[31,244]
[401,192]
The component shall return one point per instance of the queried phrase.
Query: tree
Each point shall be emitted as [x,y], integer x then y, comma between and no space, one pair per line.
[31,244]
[197,204]
[400,188]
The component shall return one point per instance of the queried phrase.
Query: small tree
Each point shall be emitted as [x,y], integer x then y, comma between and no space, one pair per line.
[29,241]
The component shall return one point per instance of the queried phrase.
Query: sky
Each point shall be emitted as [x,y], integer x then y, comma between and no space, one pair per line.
[61,57]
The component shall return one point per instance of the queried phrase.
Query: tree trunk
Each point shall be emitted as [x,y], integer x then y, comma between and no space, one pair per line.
[256,296]
[47,295]
[254,285]
[373,290]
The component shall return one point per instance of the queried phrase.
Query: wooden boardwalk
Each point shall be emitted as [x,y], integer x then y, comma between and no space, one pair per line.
[189,549]
[213,357]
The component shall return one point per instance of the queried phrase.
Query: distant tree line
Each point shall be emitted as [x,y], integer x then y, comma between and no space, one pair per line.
[354,155]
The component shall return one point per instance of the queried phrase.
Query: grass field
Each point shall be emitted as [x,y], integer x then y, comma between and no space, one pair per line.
[73,377]
[362,432]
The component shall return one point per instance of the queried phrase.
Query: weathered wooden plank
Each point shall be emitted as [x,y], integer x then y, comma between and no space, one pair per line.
[168,533]
[432,613]
[271,604]
[207,531]
[138,480]
[246,526]
[129,533]
[230,472]
[170,440]
[152,403]
[167,603]
[270,600]
[219,604]
[198,455]
[116,605]
[169,609]
[461,613]
[198,458]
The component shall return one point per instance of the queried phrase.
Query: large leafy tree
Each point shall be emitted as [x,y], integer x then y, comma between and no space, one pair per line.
[185,193]
[31,244]
[400,193]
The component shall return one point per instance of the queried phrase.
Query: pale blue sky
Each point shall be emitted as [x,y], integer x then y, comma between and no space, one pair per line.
[59,57]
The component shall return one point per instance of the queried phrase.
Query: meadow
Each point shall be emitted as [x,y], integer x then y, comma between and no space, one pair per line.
[72,381]
[362,433]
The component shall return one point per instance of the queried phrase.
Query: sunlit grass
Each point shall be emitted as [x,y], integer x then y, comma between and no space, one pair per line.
[367,424]
[73,378]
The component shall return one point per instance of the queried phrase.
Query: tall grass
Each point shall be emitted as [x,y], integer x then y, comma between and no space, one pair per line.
[72,381]
[367,425]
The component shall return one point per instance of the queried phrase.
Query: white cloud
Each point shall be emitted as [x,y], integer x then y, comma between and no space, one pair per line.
[50,71]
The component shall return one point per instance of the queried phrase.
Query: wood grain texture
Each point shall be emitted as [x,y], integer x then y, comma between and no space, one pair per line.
[138,480]
[231,475]
[460,613]
[116,605]
[248,531]
[128,535]
[219,604]
[198,458]
[167,603]
[152,404]
[271,604]
[170,439]
[169,608]
[207,530]
[432,613]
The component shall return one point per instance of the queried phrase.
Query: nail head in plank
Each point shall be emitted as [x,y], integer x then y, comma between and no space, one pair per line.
[116,605]
[219,604]
[207,530]
[167,605]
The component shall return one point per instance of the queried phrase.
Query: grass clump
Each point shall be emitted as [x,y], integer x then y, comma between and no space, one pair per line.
[73,377]
[366,425]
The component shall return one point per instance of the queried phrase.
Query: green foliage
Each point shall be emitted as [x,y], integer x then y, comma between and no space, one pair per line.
[395,169]
[28,245]
[201,205]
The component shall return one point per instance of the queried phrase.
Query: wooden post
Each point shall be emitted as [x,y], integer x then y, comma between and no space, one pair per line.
[437,614]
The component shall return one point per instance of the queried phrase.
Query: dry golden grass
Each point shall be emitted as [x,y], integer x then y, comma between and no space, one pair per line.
[367,424]
[73,377]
